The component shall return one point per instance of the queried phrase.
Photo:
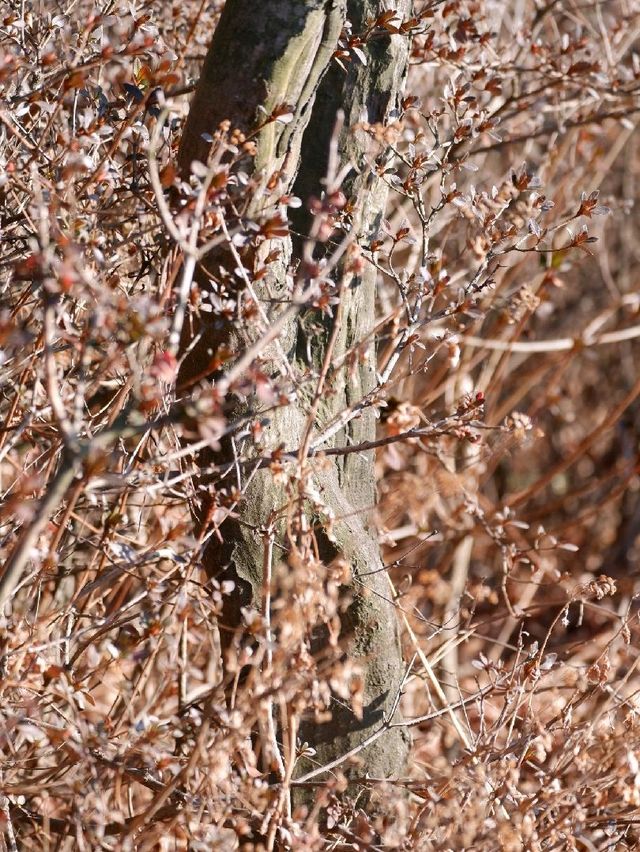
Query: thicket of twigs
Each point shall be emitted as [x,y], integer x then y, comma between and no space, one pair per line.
[509,423]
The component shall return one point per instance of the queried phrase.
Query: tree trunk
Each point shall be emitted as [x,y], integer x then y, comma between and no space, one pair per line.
[267,55]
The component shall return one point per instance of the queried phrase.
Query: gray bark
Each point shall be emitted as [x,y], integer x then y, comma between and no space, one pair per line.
[269,54]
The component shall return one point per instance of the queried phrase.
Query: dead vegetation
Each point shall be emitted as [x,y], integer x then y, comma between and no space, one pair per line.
[507,451]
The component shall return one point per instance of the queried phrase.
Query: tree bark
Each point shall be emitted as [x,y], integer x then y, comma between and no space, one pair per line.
[265,56]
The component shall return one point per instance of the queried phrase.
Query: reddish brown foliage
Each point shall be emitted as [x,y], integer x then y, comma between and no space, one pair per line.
[507,460]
